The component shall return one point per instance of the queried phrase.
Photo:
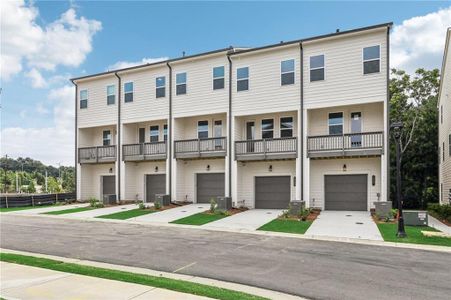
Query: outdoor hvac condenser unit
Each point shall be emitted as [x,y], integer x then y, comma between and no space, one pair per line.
[415,217]
[109,199]
[163,199]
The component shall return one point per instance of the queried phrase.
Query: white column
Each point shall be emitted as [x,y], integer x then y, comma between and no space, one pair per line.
[306,161]
[174,164]
[299,158]
[78,166]
[384,157]
[228,157]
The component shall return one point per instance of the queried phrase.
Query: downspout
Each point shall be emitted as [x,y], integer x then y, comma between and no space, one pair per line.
[301,151]
[169,149]
[229,123]
[76,136]
[387,138]
[119,137]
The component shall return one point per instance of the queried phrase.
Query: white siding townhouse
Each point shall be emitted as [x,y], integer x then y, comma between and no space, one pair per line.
[444,124]
[301,120]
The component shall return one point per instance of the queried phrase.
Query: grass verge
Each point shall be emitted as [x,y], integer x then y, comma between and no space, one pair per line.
[414,235]
[154,281]
[68,211]
[287,225]
[4,209]
[199,219]
[124,215]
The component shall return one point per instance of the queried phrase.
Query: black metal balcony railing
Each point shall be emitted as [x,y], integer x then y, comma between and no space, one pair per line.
[97,154]
[144,151]
[197,147]
[346,142]
[267,146]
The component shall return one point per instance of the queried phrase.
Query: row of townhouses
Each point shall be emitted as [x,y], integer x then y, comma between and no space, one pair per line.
[301,120]
[444,124]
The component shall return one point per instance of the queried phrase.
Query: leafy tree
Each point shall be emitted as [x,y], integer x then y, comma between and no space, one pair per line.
[31,188]
[413,100]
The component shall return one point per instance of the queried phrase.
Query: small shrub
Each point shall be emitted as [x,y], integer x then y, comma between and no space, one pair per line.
[141,205]
[304,213]
[93,202]
[157,205]
[286,214]
[224,212]
[212,205]
[394,213]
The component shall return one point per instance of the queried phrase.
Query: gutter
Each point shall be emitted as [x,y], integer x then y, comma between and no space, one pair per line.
[169,149]
[118,198]
[301,151]
[76,136]
[229,124]
[387,137]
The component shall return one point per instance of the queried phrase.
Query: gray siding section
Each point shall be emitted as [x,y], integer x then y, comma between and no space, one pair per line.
[272,192]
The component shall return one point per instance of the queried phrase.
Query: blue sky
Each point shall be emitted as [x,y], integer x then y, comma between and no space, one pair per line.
[108,32]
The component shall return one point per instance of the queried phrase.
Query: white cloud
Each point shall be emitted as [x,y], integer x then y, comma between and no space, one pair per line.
[65,41]
[419,41]
[23,114]
[41,109]
[51,144]
[37,81]
[127,64]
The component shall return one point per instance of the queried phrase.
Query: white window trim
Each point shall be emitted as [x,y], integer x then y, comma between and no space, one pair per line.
[310,68]
[273,127]
[294,72]
[245,128]
[361,120]
[248,80]
[213,78]
[280,125]
[363,60]
[79,98]
[132,92]
[159,87]
[150,133]
[208,127]
[115,93]
[104,139]
[177,84]
[342,123]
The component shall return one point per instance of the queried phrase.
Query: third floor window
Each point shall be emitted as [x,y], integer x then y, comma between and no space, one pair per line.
[128,92]
[242,79]
[180,84]
[84,99]
[160,83]
[371,59]
[317,67]
[287,72]
[110,94]
[218,78]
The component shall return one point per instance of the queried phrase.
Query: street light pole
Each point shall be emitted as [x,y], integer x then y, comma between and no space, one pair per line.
[397,128]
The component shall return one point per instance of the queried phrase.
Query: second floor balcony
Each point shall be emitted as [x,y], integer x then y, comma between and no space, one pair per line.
[361,144]
[144,151]
[200,148]
[266,149]
[97,154]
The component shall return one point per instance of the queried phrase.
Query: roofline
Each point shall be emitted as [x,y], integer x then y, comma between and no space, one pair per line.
[318,37]
[166,61]
[445,56]
[233,51]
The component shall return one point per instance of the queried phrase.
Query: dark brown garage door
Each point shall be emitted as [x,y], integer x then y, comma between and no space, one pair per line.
[109,185]
[272,192]
[155,184]
[346,192]
[210,186]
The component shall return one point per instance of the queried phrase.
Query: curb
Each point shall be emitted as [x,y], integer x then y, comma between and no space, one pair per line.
[257,232]
[195,279]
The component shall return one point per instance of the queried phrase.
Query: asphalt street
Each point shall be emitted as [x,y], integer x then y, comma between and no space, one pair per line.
[308,268]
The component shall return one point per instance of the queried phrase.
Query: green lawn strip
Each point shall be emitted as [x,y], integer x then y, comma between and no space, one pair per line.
[287,225]
[123,215]
[68,211]
[414,235]
[199,219]
[4,209]
[154,281]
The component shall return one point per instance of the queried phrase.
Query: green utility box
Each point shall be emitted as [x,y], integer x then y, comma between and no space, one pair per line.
[415,217]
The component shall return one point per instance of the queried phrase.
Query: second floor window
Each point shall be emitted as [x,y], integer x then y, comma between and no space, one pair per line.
[286,127]
[154,133]
[287,72]
[242,79]
[202,129]
[371,60]
[180,83]
[218,78]
[83,98]
[317,67]
[106,137]
[336,123]
[267,128]
[160,83]
[110,94]
[165,132]
[128,92]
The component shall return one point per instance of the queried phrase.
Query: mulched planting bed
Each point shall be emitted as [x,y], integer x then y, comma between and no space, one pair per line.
[207,217]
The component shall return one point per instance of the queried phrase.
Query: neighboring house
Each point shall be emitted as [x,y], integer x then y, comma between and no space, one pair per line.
[444,125]
[300,120]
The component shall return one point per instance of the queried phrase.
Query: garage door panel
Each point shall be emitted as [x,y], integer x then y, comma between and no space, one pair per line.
[346,192]
[155,184]
[210,185]
[272,192]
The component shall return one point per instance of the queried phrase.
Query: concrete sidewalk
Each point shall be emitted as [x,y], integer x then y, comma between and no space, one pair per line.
[25,282]
[248,220]
[40,210]
[101,211]
[173,214]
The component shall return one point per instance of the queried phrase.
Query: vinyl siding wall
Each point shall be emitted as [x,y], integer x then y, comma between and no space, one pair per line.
[344,82]
[90,137]
[91,180]
[131,131]
[240,125]
[189,126]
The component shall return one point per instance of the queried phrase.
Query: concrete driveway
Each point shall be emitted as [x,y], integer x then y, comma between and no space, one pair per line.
[345,224]
[173,214]
[101,211]
[248,220]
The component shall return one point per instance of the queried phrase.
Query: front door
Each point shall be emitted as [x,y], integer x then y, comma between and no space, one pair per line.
[356,127]
[217,134]
[250,136]
[142,135]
